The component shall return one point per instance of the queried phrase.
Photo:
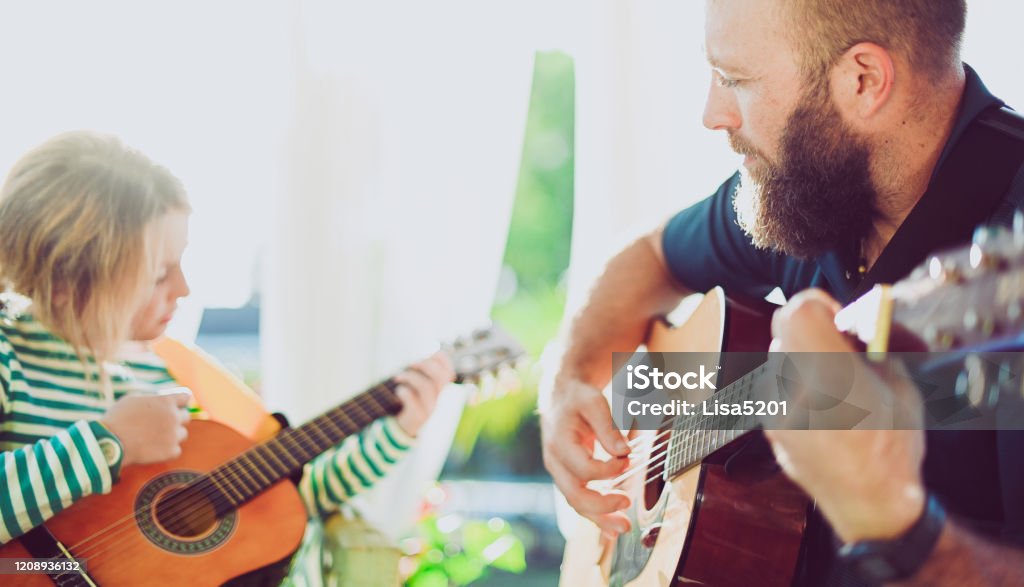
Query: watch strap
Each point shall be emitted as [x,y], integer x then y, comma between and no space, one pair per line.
[879,561]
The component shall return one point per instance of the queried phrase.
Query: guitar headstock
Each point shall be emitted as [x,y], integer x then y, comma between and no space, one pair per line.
[968,297]
[486,352]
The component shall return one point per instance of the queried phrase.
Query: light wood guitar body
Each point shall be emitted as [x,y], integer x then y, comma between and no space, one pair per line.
[706,525]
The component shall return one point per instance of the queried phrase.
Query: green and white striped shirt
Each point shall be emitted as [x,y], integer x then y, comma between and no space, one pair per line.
[50,439]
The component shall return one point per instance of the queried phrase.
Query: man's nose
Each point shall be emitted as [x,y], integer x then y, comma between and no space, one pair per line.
[720,111]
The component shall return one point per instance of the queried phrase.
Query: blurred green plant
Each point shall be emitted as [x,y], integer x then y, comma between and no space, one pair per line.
[450,551]
[532,300]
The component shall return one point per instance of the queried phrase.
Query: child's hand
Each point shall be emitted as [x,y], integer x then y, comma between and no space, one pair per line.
[419,386]
[150,428]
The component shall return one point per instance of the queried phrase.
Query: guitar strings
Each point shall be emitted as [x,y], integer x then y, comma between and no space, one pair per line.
[692,433]
[178,512]
[687,443]
[181,510]
[181,507]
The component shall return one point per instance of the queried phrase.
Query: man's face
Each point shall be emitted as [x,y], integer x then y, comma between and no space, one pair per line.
[806,185]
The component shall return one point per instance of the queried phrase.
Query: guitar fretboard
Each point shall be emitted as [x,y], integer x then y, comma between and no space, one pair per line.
[246,476]
[696,436]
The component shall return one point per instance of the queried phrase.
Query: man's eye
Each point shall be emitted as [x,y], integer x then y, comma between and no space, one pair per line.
[161,278]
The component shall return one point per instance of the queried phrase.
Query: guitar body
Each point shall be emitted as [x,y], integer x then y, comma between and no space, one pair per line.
[224,512]
[143,551]
[734,519]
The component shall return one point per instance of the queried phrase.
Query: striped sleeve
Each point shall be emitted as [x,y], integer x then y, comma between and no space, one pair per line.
[352,466]
[42,479]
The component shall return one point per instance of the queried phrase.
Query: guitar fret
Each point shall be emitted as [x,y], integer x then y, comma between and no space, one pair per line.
[281,441]
[242,477]
[207,487]
[349,425]
[306,445]
[269,451]
[340,431]
[225,487]
[267,480]
[314,427]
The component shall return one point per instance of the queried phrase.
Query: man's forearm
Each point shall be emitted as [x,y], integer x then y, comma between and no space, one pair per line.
[634,288]
[963,558]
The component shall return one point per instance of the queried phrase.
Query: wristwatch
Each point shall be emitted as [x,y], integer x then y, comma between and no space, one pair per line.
[881,561]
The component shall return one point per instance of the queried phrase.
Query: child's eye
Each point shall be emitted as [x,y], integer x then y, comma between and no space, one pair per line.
[727,82]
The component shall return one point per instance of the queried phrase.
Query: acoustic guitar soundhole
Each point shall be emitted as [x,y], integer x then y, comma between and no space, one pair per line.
[179,518]
[654,480]
[185,513]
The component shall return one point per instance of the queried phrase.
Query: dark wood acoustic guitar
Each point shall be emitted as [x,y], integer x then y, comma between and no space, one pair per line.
[711,507]
[225,507]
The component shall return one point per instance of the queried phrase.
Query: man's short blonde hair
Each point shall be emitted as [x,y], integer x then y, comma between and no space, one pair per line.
[927,33]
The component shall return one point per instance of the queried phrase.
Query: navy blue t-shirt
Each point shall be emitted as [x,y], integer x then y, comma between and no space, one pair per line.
[979,476]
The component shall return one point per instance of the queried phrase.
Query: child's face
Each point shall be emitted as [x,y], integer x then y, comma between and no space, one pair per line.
[150,321]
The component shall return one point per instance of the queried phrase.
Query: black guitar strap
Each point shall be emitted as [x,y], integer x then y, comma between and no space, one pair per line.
[43,545]
[969,190]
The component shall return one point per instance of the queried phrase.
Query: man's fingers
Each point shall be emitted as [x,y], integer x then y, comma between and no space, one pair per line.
[598,416]
[811,304]
[579,460]
[612,524]
[584,500]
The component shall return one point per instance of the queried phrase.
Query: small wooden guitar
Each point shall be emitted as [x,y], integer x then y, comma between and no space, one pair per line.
[225,507]
[711,507]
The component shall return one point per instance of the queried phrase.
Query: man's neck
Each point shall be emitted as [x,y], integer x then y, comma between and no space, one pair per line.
[907,158]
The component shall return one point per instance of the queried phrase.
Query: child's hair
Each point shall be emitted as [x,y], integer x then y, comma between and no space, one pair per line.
[74,238]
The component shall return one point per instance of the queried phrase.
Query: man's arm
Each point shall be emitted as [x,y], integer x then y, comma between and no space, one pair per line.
[868,483]
[634,288]
[962,558]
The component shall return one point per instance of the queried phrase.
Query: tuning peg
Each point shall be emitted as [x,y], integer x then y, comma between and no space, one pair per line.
[986,249]
[947,270]
[970,384]
[970,319]
[1014,310]
[938,339]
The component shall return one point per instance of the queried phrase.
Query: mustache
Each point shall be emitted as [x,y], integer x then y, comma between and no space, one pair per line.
[742,147]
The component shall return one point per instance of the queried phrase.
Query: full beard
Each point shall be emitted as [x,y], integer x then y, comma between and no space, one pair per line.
[819,196]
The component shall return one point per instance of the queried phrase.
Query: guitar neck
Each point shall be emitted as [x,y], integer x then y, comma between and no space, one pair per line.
[255,470]
[697,436]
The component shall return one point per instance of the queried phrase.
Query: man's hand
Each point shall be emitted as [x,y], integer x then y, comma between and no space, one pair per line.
[579,415]
[419,386]
[150,428]
[867,482]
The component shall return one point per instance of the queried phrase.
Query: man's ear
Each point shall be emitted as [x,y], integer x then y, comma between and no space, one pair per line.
[862,81]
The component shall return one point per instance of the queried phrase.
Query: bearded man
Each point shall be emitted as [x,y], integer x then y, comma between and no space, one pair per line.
[861,128]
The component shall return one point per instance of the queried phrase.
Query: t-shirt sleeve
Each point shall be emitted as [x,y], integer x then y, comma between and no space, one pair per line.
[353,466]
[705,247]
[39,480]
